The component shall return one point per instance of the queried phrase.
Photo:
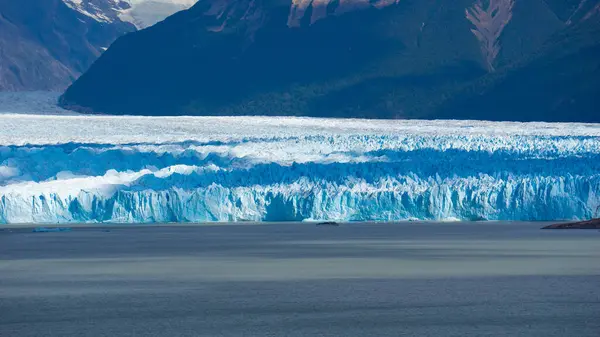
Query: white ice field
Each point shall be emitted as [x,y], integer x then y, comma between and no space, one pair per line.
[76,168]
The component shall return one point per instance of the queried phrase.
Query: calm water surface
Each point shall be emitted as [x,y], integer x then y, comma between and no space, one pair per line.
[449,279]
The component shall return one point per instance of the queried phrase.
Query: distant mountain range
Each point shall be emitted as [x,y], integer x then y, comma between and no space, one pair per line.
[483,59]
[47,44]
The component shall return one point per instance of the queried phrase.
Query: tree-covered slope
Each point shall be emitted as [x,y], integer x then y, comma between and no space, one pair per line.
[382,59]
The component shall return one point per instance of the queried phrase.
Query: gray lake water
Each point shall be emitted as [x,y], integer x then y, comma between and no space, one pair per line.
[437,279]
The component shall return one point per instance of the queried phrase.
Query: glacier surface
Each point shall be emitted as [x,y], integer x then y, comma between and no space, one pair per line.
[125,169]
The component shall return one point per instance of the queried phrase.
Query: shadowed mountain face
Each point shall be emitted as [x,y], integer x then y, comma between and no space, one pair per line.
[45,44]
[484,59]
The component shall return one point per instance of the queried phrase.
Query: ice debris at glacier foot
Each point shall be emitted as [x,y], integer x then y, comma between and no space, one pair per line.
[140,169]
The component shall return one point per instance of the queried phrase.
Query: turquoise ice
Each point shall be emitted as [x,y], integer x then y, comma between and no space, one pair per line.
[196,169]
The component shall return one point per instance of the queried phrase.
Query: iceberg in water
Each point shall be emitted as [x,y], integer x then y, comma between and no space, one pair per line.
[196,169]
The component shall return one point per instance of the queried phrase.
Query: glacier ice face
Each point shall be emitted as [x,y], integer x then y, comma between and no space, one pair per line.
[56,169]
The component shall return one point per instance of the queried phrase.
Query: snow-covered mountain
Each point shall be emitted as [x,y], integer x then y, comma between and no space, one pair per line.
[46,44]
[145,13]
[106,11]
[141,13]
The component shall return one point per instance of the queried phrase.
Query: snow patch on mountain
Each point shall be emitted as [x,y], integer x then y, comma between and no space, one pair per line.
[145,13]
[141,13]
[101,11]
[320,9]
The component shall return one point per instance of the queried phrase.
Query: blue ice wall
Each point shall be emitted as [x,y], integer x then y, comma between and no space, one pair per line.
[350,177]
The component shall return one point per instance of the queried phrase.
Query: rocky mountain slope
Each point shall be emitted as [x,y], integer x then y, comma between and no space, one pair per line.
[46,44]
[485,59]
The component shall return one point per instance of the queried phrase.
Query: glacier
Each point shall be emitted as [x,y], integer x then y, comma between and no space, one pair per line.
[132,169]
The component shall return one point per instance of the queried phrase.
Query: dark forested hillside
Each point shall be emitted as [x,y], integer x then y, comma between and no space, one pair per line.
[484,59]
